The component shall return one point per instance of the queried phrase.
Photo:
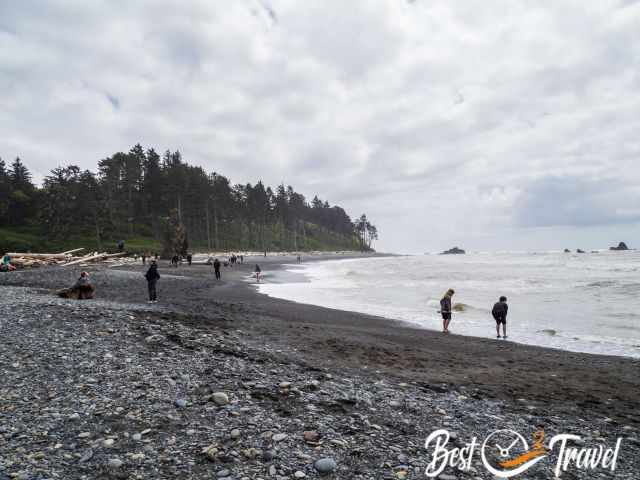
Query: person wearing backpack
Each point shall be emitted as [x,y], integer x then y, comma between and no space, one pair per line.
[499,313]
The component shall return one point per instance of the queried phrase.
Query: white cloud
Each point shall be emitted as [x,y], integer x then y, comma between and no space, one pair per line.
[422,114]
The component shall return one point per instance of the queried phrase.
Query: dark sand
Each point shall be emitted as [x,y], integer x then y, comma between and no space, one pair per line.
[573,384]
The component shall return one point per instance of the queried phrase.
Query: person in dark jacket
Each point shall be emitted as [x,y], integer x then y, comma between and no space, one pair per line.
[499,313]
[216,268]
[258,271]
[189,258]
[445,310]
[83,287]
[152,277]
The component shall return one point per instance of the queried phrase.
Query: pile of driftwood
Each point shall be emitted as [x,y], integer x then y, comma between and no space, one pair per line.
[30,260]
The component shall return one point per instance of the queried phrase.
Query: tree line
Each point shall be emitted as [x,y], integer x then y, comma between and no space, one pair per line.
[143,194]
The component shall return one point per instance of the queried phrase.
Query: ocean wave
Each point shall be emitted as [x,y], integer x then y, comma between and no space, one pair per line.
[602,284]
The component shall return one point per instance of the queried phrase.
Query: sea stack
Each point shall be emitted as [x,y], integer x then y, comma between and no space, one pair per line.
[621,246]
[453,251]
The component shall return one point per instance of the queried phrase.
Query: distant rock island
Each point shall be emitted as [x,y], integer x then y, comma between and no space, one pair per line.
[566,250]
[621,246]
[580,251]
[453,251]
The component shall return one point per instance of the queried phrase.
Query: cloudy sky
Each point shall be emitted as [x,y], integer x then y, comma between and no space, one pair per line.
[489,125]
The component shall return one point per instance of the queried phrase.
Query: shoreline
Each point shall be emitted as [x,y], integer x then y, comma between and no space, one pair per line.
[349,340]
[226,336]
[284,276]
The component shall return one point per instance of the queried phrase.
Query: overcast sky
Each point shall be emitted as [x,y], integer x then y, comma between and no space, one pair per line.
[489,125]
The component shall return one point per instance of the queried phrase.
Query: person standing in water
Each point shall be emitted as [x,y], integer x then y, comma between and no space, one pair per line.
[445,310]
[499,313]
[152,277]
[258,272]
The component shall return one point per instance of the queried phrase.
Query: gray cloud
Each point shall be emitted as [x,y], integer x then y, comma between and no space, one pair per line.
[419,113]
[563,201]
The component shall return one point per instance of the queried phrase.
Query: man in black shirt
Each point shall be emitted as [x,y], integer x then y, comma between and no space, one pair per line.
[499,313]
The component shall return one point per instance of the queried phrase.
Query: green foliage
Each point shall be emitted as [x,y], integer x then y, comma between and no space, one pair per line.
[136,195]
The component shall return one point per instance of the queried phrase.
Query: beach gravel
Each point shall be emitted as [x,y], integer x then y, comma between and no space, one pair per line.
[104,389]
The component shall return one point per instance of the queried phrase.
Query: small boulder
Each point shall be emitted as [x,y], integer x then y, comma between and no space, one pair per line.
[220,398]
[324,466]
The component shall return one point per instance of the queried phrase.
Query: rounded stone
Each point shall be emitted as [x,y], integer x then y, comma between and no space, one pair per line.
[325,465]
[220,398]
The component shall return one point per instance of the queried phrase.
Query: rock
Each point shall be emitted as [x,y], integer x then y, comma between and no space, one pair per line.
[325,466]
[223,473]
[108,443]
[311,436]
[278,437]
[446,476]
[272,470]
[285,385]
[136,437]
[211,452]
[181,403]
[84,435]
[115,463]
[151,339]
[299,474]
[235,433]
[220,398]
[268,455]
[453,251]
[621,246]
[251,453]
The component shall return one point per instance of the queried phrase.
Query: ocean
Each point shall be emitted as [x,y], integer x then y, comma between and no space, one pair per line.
[579,302]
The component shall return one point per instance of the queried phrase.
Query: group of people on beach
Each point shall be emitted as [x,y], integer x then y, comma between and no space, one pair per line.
[499,313]
[153,276]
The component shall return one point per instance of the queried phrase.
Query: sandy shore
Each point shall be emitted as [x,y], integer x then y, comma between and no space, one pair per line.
[529,385]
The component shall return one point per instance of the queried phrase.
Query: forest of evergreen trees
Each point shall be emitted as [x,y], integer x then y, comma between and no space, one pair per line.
[142,194]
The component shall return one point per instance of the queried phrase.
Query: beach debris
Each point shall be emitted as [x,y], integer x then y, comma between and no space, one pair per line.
[23,260]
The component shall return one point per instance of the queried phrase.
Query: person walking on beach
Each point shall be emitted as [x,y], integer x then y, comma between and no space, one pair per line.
[445,310]
[189,258]
[499,313]
[258,272]
[152,277]
[216,268]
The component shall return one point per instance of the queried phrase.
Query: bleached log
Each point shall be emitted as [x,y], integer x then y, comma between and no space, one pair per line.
[45,256]
[69,252]
[93,258]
